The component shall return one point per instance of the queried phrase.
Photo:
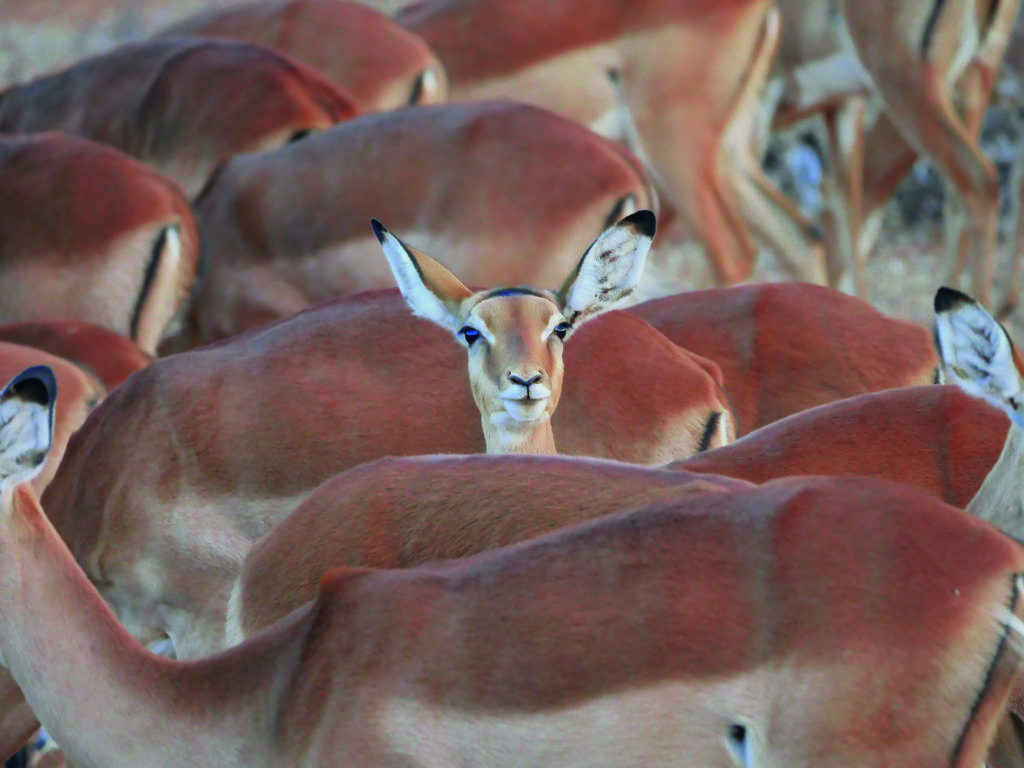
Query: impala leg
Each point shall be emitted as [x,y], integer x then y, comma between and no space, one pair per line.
[926,116]
[975,90]
[17,722]
[693,182]
[685,135]
[775,220]
[844,129]
[1011,295]
[888,158]
[717,222]
[779,223]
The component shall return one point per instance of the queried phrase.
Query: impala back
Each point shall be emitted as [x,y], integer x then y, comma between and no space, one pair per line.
[379,63]
[235,435]
[90,234]
[182,105]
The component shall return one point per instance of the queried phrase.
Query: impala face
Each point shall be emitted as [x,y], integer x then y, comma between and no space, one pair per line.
[514,336]
[516,373]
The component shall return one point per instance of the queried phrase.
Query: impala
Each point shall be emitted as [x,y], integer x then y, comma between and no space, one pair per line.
[108,356]
[91,234]
[181,105]
[615,67]
[911,55]
[787,347]
[514,336]
[979,356]
[373,59]
[771,625]
[935,438]
[327,387]
[407,511]
[287,229]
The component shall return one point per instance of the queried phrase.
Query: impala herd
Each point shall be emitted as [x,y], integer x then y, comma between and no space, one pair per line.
[748,526]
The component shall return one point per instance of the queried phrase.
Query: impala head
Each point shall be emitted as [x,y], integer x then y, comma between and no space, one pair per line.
[514,336]
[26,425]
[978,354]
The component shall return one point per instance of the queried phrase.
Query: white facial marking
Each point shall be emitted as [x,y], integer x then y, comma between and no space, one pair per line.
[518,412]
[477,322]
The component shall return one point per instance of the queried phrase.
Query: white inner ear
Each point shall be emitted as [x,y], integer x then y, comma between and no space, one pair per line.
[610,271]
[977,355]
[421,300]
[26,431]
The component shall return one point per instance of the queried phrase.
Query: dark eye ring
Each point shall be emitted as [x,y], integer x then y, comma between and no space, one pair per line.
[469,334]
[561,329]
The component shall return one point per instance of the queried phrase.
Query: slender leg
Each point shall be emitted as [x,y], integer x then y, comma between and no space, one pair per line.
[844,128]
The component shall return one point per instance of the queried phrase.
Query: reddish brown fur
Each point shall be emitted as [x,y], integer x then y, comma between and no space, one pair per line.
[471,185]
[109,356]
[347,370]
[311,396]
[936,438]
[182,105]
[596,62]
[78,223]
[469,32]
[402,512]
[780,575]
[868,630]
[358,48]
[787,347]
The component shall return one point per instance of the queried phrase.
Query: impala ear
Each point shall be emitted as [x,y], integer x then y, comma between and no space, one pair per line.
[977,353]
[610,269]
[430,290]
[26,424]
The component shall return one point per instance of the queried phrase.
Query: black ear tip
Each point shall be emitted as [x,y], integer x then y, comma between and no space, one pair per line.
[37,384]
[643,221]
[379,230]
[947,299]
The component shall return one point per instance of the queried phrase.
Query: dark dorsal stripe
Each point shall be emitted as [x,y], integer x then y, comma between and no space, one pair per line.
[147,283]
[618,211]
[997,657]
[993,8]
[929,27]
[709,431]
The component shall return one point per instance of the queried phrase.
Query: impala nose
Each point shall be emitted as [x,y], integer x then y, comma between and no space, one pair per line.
[524,382]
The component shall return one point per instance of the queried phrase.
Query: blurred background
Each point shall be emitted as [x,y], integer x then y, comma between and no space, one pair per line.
[908,263]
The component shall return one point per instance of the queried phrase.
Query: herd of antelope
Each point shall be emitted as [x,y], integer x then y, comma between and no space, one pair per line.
[741,527]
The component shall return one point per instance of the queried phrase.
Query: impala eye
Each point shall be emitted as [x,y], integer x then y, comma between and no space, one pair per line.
[469,334]
[561,329]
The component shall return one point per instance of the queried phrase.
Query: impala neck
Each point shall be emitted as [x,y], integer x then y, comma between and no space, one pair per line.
[536,440]
[90,683]
[1000,500]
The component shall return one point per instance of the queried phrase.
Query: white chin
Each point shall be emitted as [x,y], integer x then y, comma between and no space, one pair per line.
[524,411]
